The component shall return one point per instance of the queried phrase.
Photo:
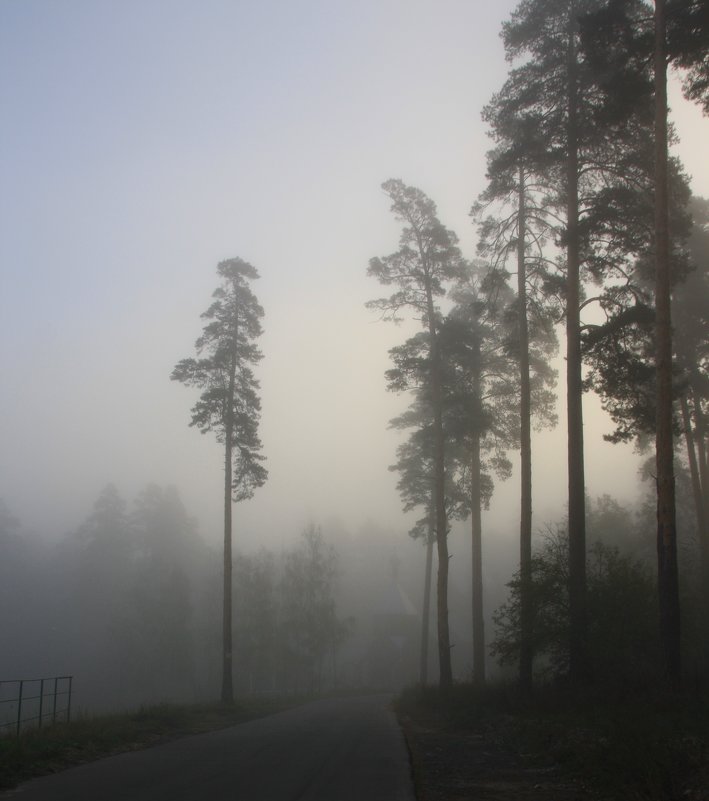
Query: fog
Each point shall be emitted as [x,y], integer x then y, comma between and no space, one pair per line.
[145,142]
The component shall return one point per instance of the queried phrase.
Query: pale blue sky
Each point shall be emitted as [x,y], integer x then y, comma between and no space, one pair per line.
[145,140]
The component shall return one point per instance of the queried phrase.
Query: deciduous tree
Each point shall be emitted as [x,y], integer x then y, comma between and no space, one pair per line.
[311,629]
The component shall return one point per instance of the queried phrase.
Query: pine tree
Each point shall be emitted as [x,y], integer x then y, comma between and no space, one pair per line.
[595,156]
[518,225]
[230,407]
[552,80]
[416,485]
[687,45]
[668,579]
[483,414]
[678,34]
[690,304]
[428,257]
[416,460]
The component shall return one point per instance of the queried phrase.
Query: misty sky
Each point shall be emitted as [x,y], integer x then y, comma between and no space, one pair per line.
[142,142]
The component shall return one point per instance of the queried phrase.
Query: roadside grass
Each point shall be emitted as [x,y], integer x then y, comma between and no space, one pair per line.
[639,746]
[53,748]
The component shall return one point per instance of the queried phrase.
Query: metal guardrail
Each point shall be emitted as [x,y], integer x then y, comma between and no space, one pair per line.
[34,701]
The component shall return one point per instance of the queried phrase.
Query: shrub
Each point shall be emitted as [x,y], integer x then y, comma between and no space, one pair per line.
[622,609]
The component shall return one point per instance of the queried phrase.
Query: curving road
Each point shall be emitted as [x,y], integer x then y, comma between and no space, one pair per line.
[331,750]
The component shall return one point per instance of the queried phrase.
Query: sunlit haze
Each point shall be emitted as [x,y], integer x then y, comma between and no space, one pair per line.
[144,142]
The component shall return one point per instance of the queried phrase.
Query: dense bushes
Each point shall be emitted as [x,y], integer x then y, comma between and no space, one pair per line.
[622,609]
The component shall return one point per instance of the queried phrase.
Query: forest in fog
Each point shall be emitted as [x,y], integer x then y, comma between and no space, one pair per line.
[580,279]
[130,602]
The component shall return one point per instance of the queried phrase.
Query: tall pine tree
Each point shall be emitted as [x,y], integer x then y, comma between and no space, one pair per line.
[517,228]
[427,259]
[230,407]
[597,159]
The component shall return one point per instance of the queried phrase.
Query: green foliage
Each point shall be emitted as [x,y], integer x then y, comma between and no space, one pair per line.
[427,258]
[617,41]
[462,417]
[550,605]
[604,49]
[479,395]
[690,306]
[688,45]
[621,602]
[621,350]
[229,404]
[415,465]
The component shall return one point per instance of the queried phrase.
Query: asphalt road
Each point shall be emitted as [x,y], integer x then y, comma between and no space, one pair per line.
[331,750]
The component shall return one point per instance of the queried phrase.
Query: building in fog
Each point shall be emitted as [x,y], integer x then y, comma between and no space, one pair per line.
[391,660]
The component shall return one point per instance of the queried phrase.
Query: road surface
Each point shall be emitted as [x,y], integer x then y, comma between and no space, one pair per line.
[330,750]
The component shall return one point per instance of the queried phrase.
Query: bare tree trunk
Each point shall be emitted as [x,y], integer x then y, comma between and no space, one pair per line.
[476,517]
[668,582]
[526,655]
[426,619]
[578,648]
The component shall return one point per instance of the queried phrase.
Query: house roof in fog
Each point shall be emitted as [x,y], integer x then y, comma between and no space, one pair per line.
[393,600]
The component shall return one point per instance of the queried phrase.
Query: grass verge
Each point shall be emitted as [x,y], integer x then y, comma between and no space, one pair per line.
[40,751]
[650,747]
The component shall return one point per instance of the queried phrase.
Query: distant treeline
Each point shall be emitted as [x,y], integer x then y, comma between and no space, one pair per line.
[130,604]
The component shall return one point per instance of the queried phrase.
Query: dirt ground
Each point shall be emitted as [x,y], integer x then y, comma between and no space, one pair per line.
[474,765]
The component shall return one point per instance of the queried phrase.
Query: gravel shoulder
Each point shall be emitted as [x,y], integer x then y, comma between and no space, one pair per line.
[475,764]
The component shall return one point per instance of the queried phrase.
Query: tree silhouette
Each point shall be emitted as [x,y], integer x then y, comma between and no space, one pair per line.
[428,257]
[230,407]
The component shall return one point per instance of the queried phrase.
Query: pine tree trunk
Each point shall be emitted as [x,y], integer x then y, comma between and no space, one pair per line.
[693,463]
[578,650]
[703,470]
[700,437]
[668,582]
[700,512]
[526,656]
[476,517]
[227,685]
[426,619]
[699,505]
[227,665]
[444,648]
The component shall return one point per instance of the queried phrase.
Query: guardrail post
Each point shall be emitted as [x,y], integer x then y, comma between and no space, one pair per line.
[41,703]
[19,708]
[68,708]
[54,710]
[46,694]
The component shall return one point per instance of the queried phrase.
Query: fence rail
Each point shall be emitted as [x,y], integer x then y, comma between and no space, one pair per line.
[27,702]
